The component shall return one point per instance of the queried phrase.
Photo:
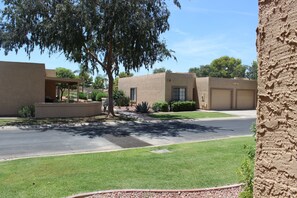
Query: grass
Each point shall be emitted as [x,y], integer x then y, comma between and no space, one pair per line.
[188,115]
[186,166]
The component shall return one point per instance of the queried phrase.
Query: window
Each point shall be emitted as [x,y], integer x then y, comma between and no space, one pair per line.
[179,94]
[133,94]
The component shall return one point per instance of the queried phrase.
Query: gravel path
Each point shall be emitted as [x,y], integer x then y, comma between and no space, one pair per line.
[221,192]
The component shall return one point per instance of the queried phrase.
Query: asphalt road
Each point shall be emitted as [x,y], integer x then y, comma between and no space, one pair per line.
[51,140]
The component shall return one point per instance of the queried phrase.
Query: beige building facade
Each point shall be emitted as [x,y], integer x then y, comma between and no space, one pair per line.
[24,84]
[208,92]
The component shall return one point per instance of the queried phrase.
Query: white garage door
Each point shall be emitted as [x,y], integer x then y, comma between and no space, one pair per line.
[245,99]
[221,99]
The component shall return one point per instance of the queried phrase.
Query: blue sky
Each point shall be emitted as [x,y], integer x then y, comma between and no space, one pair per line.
[200,32]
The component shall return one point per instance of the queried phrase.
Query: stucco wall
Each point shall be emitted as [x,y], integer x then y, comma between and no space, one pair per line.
[150,88]
[202,85]
[20,84]
[186,80]
[60,110]
[276,156]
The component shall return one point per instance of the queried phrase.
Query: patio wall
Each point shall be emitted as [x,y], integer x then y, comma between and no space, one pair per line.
[59,110]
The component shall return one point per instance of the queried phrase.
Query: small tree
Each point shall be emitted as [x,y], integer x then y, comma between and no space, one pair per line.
[99,33]
[161,70]
[252,71]
[99,82]
[63,73]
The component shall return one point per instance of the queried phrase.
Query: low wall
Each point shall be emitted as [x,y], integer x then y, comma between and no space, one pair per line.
[63,110]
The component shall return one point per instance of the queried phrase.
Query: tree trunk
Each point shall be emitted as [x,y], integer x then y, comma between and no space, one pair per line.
[110,94]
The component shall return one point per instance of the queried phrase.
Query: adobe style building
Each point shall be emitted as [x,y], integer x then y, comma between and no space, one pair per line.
[23,84]
[209,93]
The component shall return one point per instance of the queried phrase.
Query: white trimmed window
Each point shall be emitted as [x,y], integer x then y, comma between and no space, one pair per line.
[179,93]
[133,94]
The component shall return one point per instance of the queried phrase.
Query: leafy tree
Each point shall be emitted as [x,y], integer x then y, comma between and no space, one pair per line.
[63,73]
[99,82]
[227,67]
[124,75]
[99,34]
[223,67]
[252,71]
[202,71]
[84,74]
[161,70]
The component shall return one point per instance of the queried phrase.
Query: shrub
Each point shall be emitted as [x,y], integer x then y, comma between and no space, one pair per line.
[160,106]
[120,98]
[101,95]
[27,111]
[142,108]
[82,96]
[246,170]
[94,94]
[183,106]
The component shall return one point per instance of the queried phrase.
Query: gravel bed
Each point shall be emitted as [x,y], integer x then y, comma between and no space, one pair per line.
[221,192]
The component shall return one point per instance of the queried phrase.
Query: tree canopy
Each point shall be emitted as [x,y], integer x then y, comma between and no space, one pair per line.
[223,67]
[252,71]
[99,82]
[98,34]
[161,70]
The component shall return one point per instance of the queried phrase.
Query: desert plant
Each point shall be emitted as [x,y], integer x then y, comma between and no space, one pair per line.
[160,106]
[246,170]
[142,107]
[27,111]
[183,106]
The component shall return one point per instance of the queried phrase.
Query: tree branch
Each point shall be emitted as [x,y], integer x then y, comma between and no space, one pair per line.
[93,56]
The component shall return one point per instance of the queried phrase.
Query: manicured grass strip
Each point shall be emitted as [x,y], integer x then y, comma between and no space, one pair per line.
[186,166]
[188,115]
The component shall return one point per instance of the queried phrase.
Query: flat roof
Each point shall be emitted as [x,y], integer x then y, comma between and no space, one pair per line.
[63,80]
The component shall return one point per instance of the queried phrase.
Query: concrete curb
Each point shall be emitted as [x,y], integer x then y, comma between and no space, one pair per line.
[82,195]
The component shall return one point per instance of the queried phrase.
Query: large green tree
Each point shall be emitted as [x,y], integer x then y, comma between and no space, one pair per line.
[223,67]
[97,33]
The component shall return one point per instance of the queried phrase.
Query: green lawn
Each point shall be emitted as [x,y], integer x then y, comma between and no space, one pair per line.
[188,115]
[193,165]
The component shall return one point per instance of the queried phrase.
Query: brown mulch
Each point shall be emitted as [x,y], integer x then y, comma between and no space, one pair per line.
[221,192]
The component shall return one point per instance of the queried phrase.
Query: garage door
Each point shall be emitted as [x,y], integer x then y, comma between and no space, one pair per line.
[245,99]
[221,99]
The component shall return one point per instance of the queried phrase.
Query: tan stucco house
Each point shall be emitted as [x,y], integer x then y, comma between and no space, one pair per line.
[24,84]
[208,92]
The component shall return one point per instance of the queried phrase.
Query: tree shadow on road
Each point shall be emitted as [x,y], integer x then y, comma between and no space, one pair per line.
[151,129]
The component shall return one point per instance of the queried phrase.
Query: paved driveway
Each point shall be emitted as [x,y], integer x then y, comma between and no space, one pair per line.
[51,140]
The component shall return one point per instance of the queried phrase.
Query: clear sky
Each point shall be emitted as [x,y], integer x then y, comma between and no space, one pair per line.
[200,32]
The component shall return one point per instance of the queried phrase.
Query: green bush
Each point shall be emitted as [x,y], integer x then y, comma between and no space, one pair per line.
[101,95]
[142,108]
[82,96]
[27,111]
[94,94]
[120,98]
[160,106]
[183,106]
[246,170]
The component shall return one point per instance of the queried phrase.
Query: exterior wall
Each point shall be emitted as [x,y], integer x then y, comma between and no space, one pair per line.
[234,85]
[202,85]
[183,80]
[276,161]
[150,88]
[50,89]
[20,84]
[59,110]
